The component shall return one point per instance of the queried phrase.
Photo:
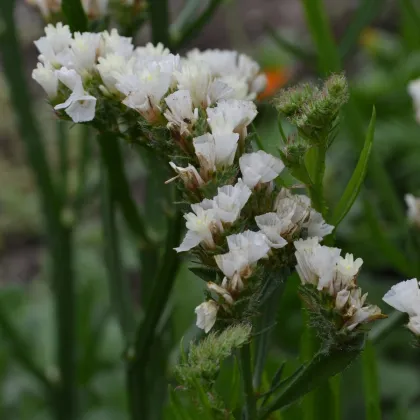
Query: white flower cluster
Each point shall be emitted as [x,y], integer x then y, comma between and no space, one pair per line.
[413,213]
[405,297]
[292,216]
[160,86]
[93,8]
[324,268]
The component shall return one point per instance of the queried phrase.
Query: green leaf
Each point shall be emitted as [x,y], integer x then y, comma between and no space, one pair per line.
[75,15]
[371,382]
[205,273]
[325,364]
[316,17]
[353,187]
[364,15]
[410,22]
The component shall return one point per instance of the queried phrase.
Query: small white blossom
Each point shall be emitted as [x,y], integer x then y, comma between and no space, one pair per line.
[230,116]
[197,78]
[80,107]
[230,200]
[108,67]
[346,271]
[206,315]
[201,225]
[189,175]
[215,150]
[145,90]
[233,263]
[273,227]
[69,77]
[414,91]
[158,50]
[218,91]
[317,226]
[180,113]
[259,167]
[413,213]
[405,297]
[57,39]
[83,51]
[363,315]
[95,8]
[113,43]
[45,75]
[315,263]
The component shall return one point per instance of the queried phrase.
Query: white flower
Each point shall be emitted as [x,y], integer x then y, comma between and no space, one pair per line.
[83,51]
[189,175]
[259,83]
[253,244]
[414,324]
[244,249]
[230,116]
[79,106]
[230,200]
[221,62]
[315,263]
[68,77]
[145,90]
[414,91]
[195,77]
[201,224]
[346,270]
[108,67]
[239,85]
[317,226]
[215,150]
[206,315]
[45,75]
[180,113]
[301,205]
[219,90]
[113,43]
[405,297]
[157,50]
[56,40]
[259,167]
[273,227]
[364,315]
[413,213]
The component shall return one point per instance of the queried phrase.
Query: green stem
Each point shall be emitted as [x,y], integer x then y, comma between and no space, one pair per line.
[59,236]
[63,157]
[384,328]
[371,382]
[64,289]
[159,20]
[118,290]
[111,156]
[138,355]
[83,157]
[246,371]
[316,189]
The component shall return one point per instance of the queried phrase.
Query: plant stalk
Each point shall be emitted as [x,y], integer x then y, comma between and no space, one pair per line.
[250,408]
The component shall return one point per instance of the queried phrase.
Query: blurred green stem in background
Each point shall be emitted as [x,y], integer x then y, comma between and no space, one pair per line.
[245,363]
[371,383]
[59,234]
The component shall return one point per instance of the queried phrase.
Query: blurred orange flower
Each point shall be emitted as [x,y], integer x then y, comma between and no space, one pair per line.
[276,79]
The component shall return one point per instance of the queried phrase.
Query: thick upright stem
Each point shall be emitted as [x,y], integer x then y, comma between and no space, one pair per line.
[159,19]
[246,372]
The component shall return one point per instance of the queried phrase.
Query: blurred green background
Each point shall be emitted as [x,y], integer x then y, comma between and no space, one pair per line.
[379,46]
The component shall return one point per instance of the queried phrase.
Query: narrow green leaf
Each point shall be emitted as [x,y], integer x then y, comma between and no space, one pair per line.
[257,137]
[316,17]
[293,49]
[364,15]
[392,254]
[371,383]
[383,329]
[75,15]
[353,187]
[410,22]
[325,364]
